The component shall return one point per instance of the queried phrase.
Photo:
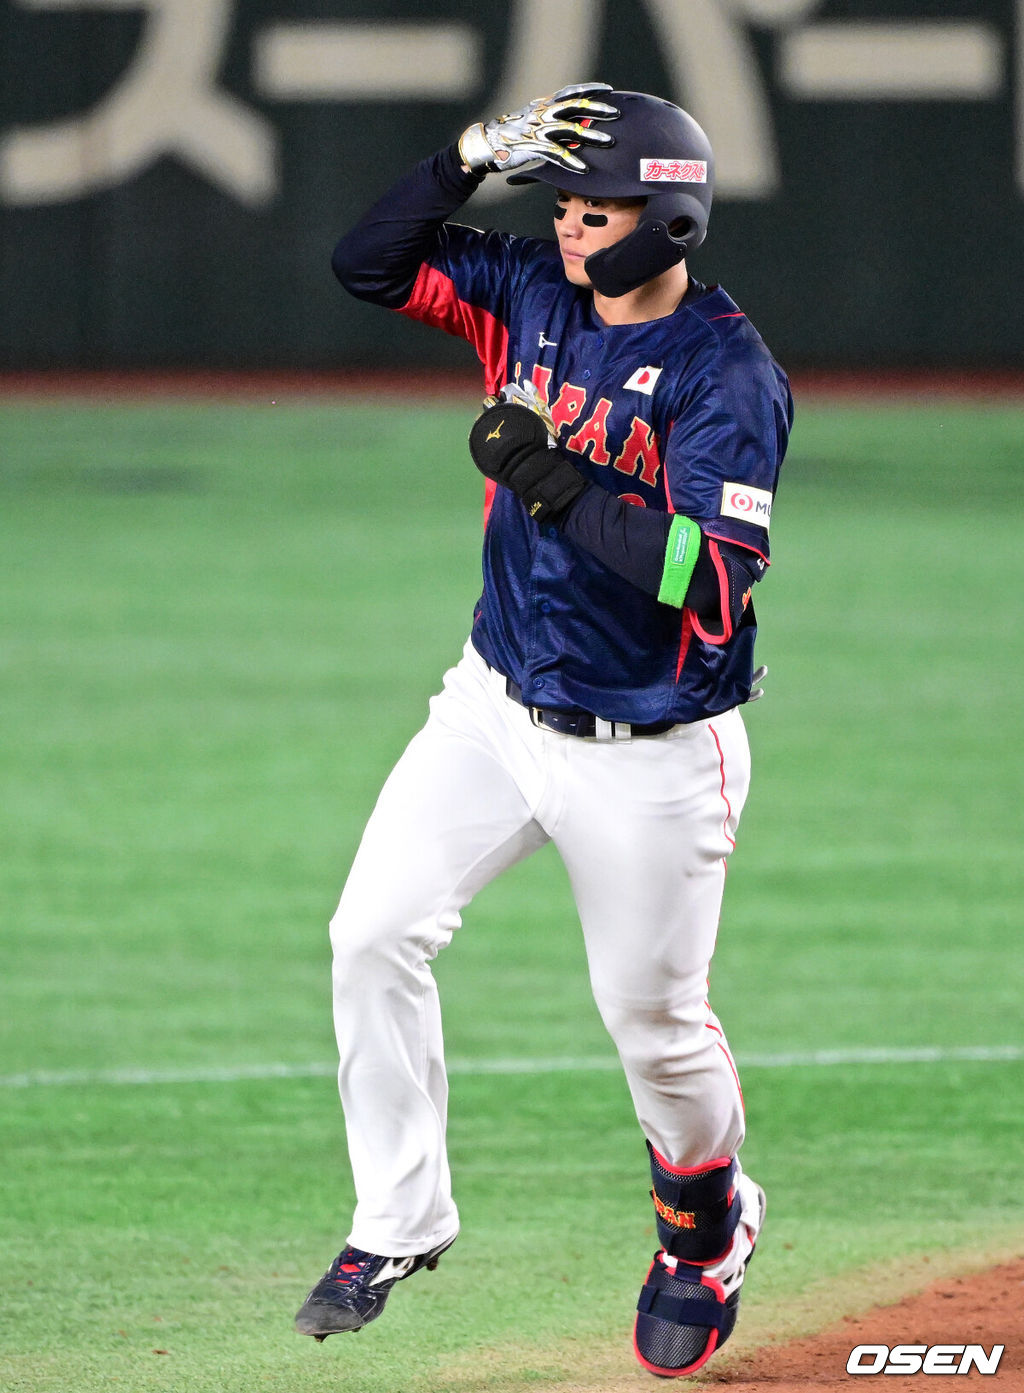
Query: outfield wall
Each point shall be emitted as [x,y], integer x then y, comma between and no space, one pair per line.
[173,176]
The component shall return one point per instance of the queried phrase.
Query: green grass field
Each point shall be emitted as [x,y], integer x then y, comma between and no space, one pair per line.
[219,625]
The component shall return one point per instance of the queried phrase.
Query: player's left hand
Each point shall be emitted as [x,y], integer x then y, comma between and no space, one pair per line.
[541,130]
[513,444]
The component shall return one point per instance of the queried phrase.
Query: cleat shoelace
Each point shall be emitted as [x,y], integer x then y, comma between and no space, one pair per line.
[346,1272]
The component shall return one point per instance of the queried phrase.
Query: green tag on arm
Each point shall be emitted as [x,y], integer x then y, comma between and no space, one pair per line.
[680,559]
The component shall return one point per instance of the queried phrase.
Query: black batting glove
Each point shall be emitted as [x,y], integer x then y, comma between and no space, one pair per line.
[511,445]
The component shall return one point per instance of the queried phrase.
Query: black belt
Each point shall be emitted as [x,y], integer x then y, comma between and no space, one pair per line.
[581,723]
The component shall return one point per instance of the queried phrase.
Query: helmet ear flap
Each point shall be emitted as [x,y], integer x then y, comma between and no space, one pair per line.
[687,218]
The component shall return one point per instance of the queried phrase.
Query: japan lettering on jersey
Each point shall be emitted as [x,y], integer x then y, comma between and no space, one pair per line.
[687,414]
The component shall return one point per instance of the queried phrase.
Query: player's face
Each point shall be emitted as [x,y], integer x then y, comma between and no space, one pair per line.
[585,225]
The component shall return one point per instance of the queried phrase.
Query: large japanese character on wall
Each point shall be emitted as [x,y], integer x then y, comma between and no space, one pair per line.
[167,103]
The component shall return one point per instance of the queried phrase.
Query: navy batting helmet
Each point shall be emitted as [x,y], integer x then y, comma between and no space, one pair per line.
[660,154]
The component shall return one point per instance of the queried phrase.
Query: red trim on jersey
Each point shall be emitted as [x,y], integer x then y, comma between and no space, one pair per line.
[733,314]
[490,488]
[435,300]
[723,601]
[720,537]
[685,635]
[664,473]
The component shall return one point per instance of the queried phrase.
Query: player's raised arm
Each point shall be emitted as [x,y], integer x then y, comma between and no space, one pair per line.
[380,258]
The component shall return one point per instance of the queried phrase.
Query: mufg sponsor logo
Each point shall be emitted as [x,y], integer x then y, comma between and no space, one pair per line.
[747,504]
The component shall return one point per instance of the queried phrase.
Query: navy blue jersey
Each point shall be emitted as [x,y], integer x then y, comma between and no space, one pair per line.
[686,414]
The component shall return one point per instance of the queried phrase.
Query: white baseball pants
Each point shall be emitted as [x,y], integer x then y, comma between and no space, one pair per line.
[644,828]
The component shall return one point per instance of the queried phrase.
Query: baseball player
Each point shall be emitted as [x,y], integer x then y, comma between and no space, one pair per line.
[631,440]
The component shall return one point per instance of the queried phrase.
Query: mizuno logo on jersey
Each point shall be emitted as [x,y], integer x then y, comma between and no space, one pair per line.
[643,380]
[496,432]
[542,342]
[747,504]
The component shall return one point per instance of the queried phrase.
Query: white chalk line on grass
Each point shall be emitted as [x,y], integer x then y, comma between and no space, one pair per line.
[555,1064]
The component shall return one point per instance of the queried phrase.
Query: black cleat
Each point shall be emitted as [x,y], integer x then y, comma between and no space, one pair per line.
[353,1290]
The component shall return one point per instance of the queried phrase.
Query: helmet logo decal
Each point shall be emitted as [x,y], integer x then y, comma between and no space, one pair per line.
[654,171]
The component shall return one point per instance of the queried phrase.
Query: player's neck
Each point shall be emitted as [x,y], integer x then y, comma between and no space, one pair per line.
[656,299]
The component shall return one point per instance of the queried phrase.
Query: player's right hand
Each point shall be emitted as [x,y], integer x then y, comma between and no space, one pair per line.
[541,130]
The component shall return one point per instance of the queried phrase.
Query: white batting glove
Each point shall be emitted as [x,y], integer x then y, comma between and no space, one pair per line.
[528,396]
[539,131]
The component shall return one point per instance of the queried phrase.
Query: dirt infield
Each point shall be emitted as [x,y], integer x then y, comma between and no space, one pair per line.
[985,1308]
[961,1307]
[269,385]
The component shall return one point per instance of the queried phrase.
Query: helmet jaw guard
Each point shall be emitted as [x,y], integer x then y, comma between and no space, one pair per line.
[655,138]
[653,247]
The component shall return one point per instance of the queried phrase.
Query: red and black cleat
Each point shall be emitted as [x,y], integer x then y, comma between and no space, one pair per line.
[353,1290]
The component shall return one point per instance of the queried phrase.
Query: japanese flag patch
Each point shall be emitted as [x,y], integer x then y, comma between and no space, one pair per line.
[748,504]
[643,380]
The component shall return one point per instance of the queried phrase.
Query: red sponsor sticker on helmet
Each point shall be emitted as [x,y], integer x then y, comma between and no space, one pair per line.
[654,171]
